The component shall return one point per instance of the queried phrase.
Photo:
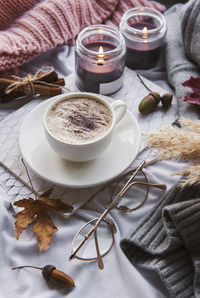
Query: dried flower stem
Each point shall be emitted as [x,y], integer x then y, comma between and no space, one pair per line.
[143,83]
[29,178]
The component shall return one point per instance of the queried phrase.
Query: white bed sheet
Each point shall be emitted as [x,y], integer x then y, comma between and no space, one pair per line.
[119,279]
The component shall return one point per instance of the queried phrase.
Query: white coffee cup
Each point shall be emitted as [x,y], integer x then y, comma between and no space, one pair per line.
[94,148]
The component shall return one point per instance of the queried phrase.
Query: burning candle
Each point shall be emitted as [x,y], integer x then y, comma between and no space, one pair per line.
[100,56]
[99,59]
[144,30]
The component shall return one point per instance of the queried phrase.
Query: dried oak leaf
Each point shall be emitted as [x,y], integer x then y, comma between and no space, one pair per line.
[38,211]
[194,84]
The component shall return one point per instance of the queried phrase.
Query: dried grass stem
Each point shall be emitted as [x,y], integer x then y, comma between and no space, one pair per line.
[179,143]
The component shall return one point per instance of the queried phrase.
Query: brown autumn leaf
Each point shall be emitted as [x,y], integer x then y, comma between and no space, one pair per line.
[38,211]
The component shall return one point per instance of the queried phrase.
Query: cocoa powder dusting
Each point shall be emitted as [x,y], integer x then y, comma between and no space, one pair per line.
[85,122]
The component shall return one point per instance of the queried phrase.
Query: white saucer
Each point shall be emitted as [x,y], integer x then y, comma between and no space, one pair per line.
[48,165]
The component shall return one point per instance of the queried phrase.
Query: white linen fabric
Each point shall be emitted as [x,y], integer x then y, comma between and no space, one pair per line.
[119,277]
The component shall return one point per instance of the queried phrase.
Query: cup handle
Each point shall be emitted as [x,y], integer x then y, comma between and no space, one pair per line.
[119,108]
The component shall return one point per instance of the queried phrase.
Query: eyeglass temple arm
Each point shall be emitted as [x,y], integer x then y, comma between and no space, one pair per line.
[160,186]
[123,190]
[118,196]
[99,257]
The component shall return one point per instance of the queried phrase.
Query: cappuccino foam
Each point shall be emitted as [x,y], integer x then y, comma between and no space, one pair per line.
[79,120]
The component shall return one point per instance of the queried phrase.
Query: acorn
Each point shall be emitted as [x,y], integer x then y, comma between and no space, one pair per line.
[166,100]
[50,273]
[149,103]
[58,277]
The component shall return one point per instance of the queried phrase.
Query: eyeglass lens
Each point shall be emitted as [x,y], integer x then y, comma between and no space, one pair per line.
[135,195]
[88,250]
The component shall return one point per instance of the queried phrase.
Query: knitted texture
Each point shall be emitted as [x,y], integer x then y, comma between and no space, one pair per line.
[190,24]
[30,27]
[167,241]
[179,68]
[183,46]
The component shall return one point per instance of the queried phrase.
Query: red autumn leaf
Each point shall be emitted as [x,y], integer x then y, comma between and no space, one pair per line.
[194,84]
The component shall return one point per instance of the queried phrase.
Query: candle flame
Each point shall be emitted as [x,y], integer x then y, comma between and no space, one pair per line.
[100,31]
[100,51]
[145,32]
[100,56]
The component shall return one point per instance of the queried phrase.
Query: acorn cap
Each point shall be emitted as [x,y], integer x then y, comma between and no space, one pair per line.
[156,96]
[46,270]
[166,100]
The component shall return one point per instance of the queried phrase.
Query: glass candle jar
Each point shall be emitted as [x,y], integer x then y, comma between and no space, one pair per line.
[99,59]
[144,30]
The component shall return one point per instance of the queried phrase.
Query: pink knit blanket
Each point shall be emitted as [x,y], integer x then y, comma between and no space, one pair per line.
[30,27]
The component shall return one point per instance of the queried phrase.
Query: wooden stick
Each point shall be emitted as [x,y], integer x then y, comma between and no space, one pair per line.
[49,77]
[37,85]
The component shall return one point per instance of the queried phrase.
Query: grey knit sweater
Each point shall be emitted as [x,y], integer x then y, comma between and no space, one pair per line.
[167,240]
[183,45]
[190,25]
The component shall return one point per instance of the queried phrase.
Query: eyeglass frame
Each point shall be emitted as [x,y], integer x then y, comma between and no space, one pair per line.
[127,185]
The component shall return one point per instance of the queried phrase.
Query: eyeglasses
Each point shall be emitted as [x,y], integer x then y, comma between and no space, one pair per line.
[96,238]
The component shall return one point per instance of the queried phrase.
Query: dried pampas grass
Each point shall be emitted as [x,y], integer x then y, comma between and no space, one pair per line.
[179,143]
